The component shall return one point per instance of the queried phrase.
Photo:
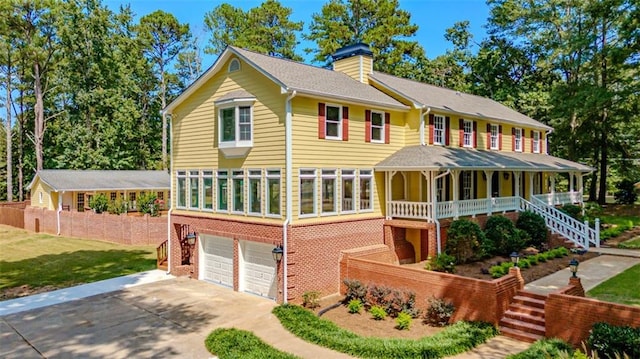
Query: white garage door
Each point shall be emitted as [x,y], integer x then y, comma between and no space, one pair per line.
[217,259]
[258,269]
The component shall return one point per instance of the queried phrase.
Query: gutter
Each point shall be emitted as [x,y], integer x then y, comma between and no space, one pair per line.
[288,135]
[58,212]
[435,214]
[422,142]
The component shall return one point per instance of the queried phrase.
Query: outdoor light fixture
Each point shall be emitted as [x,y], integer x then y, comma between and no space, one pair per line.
[515,257]
[505,175]
[573,267]
[191,238]
[277,253]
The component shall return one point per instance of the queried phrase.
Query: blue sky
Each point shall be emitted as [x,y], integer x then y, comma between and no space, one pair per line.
[431,16]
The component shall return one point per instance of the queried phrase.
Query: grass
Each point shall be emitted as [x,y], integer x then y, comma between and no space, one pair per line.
[235,343]
[545,348]
[40,260]
[455,339]
[618,224]
[623,288]
[631,244]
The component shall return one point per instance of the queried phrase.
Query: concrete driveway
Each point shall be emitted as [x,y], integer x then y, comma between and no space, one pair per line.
[165,319]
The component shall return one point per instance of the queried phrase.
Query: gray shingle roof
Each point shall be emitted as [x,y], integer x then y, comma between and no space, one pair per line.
[414,158]
[94,180]
[451,100]
[317,81]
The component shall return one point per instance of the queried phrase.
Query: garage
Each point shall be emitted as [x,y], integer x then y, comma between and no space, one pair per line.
[257,269]
[217,259]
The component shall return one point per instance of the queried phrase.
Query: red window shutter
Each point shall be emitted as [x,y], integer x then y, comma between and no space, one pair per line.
[367,125]
[488,136]
[447,130]
[475,134]
[513,138]
[500,137]
[387,127]
[321,121]
[531,140]
[461,132]
[542,143]
[345,123]
[431,129]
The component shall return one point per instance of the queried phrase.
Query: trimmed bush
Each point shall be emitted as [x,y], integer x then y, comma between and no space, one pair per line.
[379,295]
[310,299]
[535,226]
[355,306]
[573,211]
[464,239]
[403,321]
[610,340]
[502,236]
[377,312]
[439,312]
[235,343]
[355,290]
[99,203]
[442,263]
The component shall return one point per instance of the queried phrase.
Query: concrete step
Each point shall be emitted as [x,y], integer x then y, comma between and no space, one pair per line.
[523,317]
[529,301]
[520,335]
[524,309]
[522,326]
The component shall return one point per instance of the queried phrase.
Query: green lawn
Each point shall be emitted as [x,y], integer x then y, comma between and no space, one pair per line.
[39,260]
[630,244]
[623,288]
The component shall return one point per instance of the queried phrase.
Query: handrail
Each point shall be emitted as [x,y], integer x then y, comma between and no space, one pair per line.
[162,253]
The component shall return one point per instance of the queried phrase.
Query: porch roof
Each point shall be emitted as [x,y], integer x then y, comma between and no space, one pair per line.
[97,180]
[416,158]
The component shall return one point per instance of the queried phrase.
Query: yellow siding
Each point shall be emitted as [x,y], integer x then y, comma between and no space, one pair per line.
[40,189]
[351,67]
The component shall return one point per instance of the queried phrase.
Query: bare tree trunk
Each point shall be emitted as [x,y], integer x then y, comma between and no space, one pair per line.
[38,110]
[163,99]
[8,130]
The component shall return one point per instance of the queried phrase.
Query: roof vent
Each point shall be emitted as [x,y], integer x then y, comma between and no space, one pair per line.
[359,48]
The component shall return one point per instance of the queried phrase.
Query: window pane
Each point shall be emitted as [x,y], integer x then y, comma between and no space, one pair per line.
[274,195]
[365,193]
[245,124]
[333,113]
[254,195]
[195,193]
[182,192]
[328,195]
[376,134]
[228,125]
[222,193]
[347,194]
[332,129]
[207,183]
[238,195]
[376,119]
[307,194]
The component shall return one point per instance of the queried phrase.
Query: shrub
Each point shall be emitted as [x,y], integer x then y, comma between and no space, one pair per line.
[377,312]
[442,263]
[402,301]
[117,206]
[379,295]
[310,299]
[608,340]
[236,343]
[99,203]
[573,211]
[524,263]
[626,193]
[463,240]
[502,236]
[542,257]
[355,290]
[439,312]
[500,270]
[533,260]
[535,226]
[147,204]
[544,348]
[355,306]
[403,321]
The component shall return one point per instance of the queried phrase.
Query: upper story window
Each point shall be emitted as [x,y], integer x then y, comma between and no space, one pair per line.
[333,124]
[438,130]
[468,133]
[494,137]
[234,65]
[535,140]
[377,126]
[517,140]
[235,123]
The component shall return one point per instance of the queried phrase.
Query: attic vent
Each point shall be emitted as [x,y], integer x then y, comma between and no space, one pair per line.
[234,65]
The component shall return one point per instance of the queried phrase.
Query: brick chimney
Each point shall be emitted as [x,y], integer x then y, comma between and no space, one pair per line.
[354,60]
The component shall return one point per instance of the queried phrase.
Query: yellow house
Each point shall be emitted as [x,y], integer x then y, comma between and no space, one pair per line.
[278,167]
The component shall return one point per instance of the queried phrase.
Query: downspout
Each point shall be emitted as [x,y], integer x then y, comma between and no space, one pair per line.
[288,135]
[422,122]
[170,191]
[435,213]
[59,210]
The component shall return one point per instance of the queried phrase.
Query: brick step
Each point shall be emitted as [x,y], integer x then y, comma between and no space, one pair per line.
[538,296]
[522,326]
[524,309]
[524,317]
[528,301]
[520,335]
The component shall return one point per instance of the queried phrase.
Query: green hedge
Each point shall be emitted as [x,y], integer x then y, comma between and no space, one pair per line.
[609,340]
[457,338]
[235,343]
[545,348]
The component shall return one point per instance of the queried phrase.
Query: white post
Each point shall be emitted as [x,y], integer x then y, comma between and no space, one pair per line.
[455,175]
[516,179]
[530,175]
[489,175]
[571,186]
[387,199]
[597,232]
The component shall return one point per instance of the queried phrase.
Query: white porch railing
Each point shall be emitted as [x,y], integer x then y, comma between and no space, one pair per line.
[559,222]
[560,198]
[412,210]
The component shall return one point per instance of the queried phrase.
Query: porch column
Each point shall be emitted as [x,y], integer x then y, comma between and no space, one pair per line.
[489,175]
[427,177]
[580,187]
[386,196]
[571,181]
[553,185]
[516,186]
[530,175]
[404,191]
[455,175]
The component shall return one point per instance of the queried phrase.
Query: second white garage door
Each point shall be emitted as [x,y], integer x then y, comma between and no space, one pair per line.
[217,259]
[257,269]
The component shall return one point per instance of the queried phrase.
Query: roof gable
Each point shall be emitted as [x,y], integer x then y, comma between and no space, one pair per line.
[94,180]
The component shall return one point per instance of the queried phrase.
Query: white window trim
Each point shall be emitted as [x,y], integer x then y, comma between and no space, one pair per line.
[203,193]
[333,176]
[519,145]
[326,122]
[353,178]
[382,128]
[251,176]
[183,175]
[467,137]
[497,137]
[315,192]
[236,104]
[437,130]
[233,190]
[267,191]
[369,175]
[536,142]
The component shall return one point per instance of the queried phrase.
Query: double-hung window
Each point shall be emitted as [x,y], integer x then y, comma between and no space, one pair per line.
[536,141]
[194,190]
[235,123]
[328,191]
[307,192]
[438,130]
[333,122]
[223,190]
[255,192]
[494,137]
[348,190]
[273,192]
[467,185]
[468,133]
[377,126]
[207,190]
[517,138]
[366,190]
[237,183]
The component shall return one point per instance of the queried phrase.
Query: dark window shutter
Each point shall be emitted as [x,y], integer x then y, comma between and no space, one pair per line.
[460,186]
[345,123]
[367,125]
[447,188]
[488,136]
[474,180]
[542,143]
[321,121]
[447,130]
[431,129]
[475,134]
[500,137]
[387,127]
[531,140]
[513,138]
[461,132]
